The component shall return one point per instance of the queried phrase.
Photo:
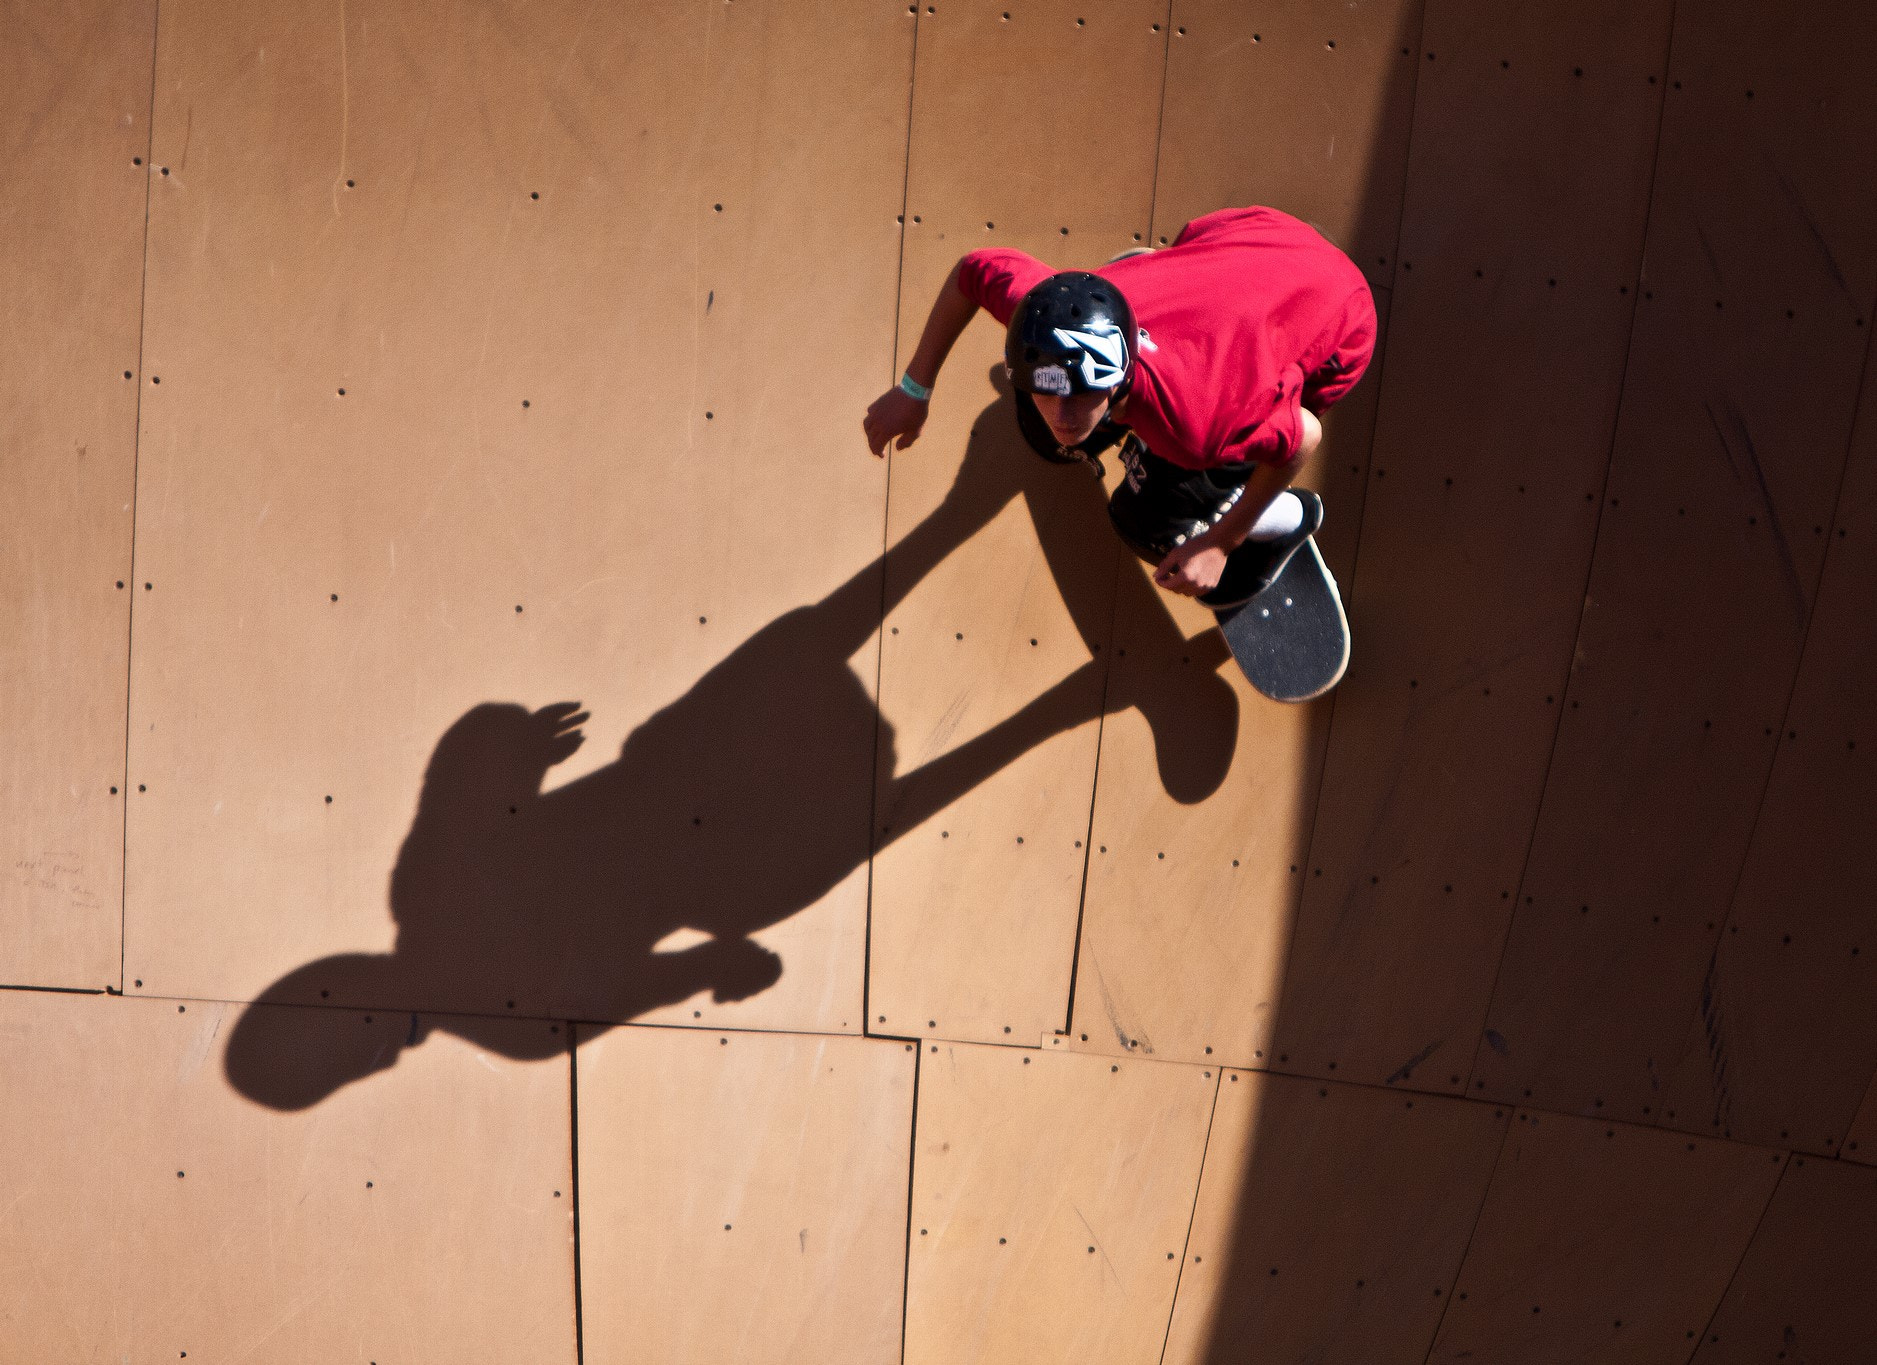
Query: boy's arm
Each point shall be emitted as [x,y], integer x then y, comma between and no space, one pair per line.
[896,413]
[1261,490]
[1194,567]
[951,314]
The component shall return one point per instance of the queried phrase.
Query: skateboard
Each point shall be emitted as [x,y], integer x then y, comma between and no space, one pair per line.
[1292,639]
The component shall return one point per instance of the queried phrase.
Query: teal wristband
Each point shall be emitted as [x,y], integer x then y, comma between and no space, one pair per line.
[912,388]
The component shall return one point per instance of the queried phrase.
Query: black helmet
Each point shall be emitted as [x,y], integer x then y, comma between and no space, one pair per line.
[1073,333]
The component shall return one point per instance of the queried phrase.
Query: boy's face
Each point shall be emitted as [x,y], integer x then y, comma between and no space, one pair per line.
[1073,419]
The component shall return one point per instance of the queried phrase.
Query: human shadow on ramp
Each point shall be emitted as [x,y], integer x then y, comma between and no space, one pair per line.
[737,805]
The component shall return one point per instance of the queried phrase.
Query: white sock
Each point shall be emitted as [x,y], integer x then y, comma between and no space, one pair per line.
[1284,515]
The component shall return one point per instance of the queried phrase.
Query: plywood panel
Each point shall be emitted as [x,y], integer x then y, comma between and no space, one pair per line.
[1603,1242]
[1803,1293]
[1051,1197]
[1001,606]
[1750,340]
[1786,1033]
[431,453]
[1328,1217]
[1303,106]
[743,1196]
[152,1211]
[74,120]
[1477,526]
[1207,790]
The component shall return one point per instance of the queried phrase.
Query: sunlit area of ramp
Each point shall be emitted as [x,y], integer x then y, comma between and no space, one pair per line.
[524,842]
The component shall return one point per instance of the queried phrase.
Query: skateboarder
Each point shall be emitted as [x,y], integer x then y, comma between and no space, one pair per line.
[1209,360]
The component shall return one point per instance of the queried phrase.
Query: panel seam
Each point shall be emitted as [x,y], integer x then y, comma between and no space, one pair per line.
[1094,794]
[1160,124]
[886,530]
[1479,1215]
[1192,1217]
[136,452]
[912,1165]
[573,1177]
[1747,1246]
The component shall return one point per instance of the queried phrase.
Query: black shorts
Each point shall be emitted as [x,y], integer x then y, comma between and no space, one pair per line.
[1159,504]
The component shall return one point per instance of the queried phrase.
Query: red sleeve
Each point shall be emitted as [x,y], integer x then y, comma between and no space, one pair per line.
[1208,223]
[1338,374]
[1278,438]
[997,278]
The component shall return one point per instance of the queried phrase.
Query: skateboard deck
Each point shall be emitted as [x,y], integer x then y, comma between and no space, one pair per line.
[1292,639]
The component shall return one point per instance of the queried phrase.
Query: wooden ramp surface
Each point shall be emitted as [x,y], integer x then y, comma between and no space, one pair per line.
[153,1211]
[1803,1290]
[1208,790]
[743,1196]
[471,403]
[74,120]
[1795,964]
[1741,388]
[447,609]
[994,660]
[1330,1221]
[1602,1242]
[1051,1198]
[1477,527]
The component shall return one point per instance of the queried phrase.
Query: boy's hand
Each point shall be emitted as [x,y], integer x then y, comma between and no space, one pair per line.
[1192,568]
[894,413]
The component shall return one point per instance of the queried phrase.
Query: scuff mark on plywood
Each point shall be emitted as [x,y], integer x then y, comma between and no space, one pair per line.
[1131,1041]
[1406,1070]
[1745,462]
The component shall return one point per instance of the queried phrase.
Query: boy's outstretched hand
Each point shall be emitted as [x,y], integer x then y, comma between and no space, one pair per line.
[894,413]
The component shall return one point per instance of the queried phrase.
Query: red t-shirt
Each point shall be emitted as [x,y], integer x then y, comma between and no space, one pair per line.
[1251,316]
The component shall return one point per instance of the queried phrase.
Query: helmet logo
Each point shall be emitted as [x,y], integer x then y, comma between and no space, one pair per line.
[1104,354]
[1050,379]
